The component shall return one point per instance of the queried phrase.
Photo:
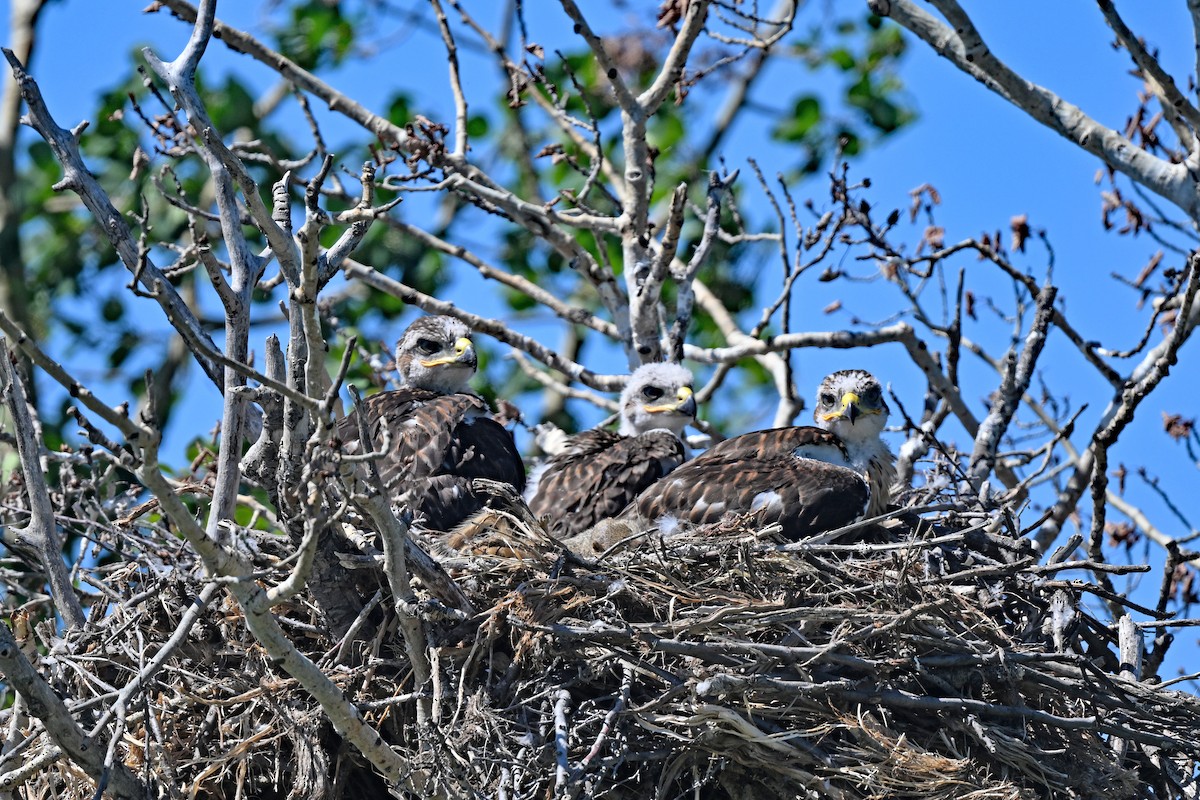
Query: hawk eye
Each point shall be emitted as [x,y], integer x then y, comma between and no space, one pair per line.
[652,392]
[428,346]
[826,399]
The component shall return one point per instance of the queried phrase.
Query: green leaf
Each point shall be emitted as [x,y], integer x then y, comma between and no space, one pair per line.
[477,126]
[112,309]
[842,59]
[806,113]
[399,110]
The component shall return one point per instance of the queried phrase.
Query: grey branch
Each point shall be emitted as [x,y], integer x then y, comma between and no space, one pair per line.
[41,534]
[1148,372]
[499,330]
[76,177]
[46,706]
[685,278]
[1008,397]
[962,44]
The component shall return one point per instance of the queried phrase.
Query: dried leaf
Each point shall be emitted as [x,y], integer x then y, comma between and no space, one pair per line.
[1122,533]
[1177,427]
[1020,232]
[670,12]
[836,305]
[917,193]
[140,162]
[934,236]
[985,244]
[1183,584]
[1148,270]
[1120,473]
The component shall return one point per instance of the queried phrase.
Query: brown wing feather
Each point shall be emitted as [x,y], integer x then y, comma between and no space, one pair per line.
[774,441]
[436,445]
[759,475]
[599,474]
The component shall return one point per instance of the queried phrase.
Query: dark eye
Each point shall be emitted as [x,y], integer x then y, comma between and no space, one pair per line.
[826,399]
[428,346]
[652,392]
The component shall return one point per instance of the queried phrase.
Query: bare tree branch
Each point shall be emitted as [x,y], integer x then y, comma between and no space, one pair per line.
[77,178]
[1016,381]
[961,43]
[48,708]
[40,534]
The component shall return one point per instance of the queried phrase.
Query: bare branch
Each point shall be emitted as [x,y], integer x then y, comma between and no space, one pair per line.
[1149,371]
[78,179]
[40,534]
[1016,381]
[48,708]
[685,278]
[964,47]
[392,135]
[1134,394]
[460,99]
[673,65]
[395,543]
[1156,77]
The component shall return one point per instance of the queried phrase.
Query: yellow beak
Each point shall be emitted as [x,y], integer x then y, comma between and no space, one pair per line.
[461,347]
[684,402]
[851,408]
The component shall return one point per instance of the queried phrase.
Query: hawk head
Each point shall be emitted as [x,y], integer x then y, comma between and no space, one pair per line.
[436,353]
[657,396]
[850,403]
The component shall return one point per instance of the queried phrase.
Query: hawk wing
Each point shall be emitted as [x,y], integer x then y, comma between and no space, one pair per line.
[435,445]
[599,474]
[760,475]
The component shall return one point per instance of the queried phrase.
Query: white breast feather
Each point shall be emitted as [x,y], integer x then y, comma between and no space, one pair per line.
[535,477]
[668,525]
[770,500]
[822,452]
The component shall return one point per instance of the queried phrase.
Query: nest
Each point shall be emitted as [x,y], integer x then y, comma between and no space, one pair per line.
[931,659]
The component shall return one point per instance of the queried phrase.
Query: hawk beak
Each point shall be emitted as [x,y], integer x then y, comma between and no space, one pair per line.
[851,408]
[685,403]
[464,353]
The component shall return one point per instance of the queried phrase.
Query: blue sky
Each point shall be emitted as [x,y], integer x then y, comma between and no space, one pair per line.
[987,159]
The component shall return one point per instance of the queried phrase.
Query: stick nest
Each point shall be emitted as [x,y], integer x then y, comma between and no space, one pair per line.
[927,659]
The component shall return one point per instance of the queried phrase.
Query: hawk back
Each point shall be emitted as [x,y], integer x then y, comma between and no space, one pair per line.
[599,474]
[760,475]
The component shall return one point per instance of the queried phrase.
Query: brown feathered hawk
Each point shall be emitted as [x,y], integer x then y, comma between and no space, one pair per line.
[600,472]
[807,479]
[436,436]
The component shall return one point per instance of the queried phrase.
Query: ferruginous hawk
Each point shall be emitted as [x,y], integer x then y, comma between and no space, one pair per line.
[435,434]
[599,472]
[807,479]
